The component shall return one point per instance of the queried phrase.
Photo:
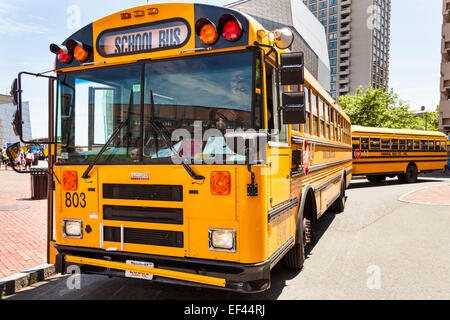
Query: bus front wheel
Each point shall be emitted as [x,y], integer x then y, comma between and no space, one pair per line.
[295,257]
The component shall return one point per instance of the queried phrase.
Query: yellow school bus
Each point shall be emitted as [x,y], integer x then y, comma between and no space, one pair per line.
[381,152]
[190,147]
[448,153]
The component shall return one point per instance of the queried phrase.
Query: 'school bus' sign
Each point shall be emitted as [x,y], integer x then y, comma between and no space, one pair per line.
[163,35]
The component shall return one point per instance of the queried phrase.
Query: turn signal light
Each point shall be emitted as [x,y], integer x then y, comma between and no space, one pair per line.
[207,31]
[220,183]
[70,180]
[230,27]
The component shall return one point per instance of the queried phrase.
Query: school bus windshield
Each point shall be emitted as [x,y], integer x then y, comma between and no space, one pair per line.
[189,94]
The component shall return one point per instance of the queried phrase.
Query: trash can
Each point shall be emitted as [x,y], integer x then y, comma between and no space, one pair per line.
[39,185]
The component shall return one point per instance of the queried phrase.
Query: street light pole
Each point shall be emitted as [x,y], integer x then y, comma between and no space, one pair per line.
[421,114]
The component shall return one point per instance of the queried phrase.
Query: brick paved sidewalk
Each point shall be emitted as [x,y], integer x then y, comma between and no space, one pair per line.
[23,232]
[439,195]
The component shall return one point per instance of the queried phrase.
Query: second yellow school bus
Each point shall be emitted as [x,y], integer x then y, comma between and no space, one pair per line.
[381,152]
[135,89]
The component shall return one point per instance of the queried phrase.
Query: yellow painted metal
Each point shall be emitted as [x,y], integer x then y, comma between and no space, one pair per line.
[148,270]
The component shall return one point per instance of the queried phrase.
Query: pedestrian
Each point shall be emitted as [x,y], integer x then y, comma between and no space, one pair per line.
[21,162]
[5,159]
[29,158]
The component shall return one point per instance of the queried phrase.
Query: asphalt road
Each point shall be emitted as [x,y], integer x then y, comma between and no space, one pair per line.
[378,248]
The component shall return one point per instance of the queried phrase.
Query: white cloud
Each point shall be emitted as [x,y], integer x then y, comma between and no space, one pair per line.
[10,25]
[6,8]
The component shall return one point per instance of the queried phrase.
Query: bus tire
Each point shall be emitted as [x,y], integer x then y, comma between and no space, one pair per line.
[410,176]
[295,257]
[339,205]
[304,236]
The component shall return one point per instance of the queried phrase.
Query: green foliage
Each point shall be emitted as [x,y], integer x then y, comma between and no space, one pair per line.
[375,107]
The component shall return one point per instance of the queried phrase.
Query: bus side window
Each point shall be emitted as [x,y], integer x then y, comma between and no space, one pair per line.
[431,145]
[394,144]
[375,144]
[269,97]
[424,145]
[259,105]
[364,143]
[385,144]
[402,144]
[355,143]
[443,145]
[307,125]
[332,116]
[315,122]
[322,118]
[327,119]
[410,144]
[416,144]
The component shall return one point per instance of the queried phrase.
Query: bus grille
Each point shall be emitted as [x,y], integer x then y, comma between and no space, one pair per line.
[145,236]
[143,214]
[143,192]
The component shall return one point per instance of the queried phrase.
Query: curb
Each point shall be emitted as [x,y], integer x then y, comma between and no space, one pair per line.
[16,282]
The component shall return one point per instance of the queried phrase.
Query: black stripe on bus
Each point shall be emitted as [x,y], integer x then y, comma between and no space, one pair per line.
[282,208]
[401,157]
[299,140]
[400,161]
[365,134]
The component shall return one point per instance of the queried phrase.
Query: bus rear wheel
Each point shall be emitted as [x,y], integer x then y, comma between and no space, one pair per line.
[339,205]
[410,176]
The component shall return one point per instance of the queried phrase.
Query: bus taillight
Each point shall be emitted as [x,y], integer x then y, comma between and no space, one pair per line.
[230,27]
[62,53]
[207,31]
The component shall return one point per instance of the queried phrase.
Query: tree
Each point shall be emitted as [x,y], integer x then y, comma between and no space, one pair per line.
[375,107]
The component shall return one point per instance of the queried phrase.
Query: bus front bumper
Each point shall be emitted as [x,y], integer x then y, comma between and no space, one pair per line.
[182,271]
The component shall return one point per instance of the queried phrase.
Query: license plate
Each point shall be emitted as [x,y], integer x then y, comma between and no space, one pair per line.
[139,275]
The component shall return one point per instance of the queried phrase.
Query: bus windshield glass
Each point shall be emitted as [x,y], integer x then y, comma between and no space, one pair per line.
[195,100]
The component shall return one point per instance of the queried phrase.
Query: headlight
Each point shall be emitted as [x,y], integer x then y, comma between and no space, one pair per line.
[72,228]
[222,240]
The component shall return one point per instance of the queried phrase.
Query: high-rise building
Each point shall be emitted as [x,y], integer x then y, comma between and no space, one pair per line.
[309,34]
[7,110]
[358,34]
[444,105]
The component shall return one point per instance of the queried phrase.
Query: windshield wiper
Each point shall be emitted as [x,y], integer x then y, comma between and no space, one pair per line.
[113,136]
[159,128]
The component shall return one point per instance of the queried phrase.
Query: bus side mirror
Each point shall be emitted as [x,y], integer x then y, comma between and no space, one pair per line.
[14,92]
[17,124]
[292,68]
[294,111]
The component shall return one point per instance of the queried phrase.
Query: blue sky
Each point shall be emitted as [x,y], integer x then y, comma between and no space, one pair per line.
[28,27]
